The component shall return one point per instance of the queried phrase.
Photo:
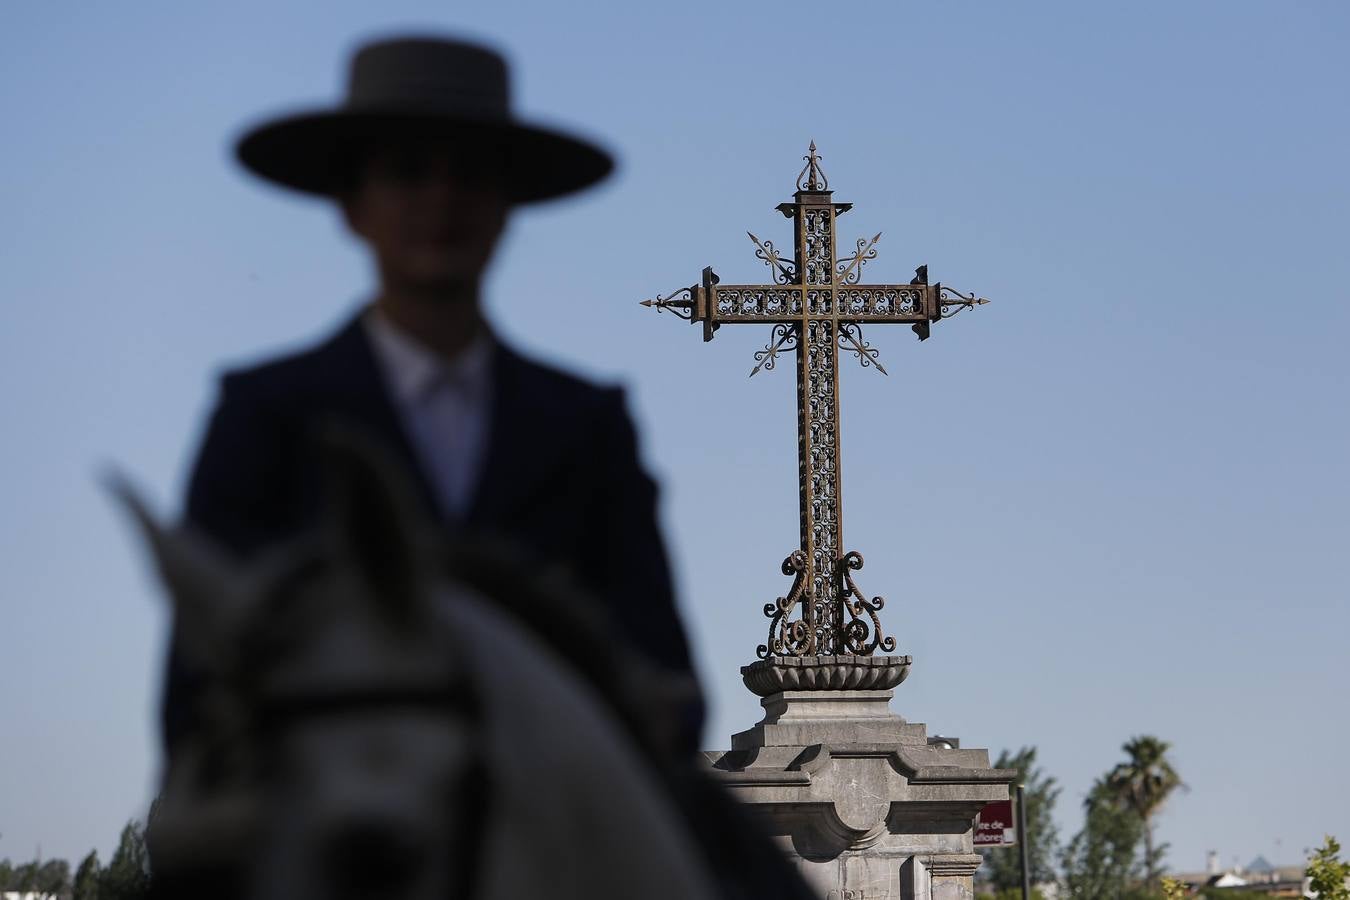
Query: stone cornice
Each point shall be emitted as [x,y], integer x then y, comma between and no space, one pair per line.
[952,865]
[816,757]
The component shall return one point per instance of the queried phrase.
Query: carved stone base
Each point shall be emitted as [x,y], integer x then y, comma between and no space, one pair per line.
[825,673]
[860,801]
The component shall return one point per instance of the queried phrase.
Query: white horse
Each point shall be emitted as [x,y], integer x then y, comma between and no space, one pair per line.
[375,723]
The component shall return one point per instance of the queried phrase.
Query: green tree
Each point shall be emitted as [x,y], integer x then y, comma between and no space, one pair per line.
[23,878]
[127,876]
[1010,894]
[52,877]
[1327,874]
[87,878]
[1099,863]
[1003,867]
[1142,784]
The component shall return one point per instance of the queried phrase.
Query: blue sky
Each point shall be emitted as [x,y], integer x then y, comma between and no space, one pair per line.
[1112,502]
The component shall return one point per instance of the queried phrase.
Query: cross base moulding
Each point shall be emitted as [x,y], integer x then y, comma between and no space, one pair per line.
[825,673]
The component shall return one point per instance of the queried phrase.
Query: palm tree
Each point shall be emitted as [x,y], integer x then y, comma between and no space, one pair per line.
[1143,783]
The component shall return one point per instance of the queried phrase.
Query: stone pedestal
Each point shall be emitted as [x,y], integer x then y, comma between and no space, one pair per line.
[865,806]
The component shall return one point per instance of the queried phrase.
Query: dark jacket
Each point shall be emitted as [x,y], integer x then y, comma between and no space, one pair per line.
[560,480]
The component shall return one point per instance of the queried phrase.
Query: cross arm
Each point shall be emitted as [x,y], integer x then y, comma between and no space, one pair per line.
[754,303]
[888,302]
[916,303]
[712,304]
[902,302]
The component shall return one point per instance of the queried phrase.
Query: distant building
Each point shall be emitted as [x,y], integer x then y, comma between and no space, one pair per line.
[1257,877]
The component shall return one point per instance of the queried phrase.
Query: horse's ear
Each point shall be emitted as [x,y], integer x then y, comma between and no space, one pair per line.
[202,584]
[374,520]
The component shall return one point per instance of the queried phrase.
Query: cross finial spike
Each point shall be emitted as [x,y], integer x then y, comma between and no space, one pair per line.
[812,174]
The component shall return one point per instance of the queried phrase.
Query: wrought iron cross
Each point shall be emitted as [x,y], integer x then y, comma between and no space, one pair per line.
[817,307]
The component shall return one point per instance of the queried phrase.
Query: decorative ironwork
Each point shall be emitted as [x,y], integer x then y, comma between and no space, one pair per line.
[858,636]
[953,302]
[820,468]
[817,308]
[882,301]
[850,338]
[782,273]
[786,637]
[682,307]
[748,303]
[850,267]
[814,175]
[818,236]
[784,338]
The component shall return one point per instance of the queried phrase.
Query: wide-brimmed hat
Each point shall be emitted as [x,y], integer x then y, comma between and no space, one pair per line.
[421,87]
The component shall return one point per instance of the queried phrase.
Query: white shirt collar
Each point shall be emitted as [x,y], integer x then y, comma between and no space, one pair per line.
[412,368]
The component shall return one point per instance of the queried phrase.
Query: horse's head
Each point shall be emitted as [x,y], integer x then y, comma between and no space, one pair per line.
[355,695]
[335,752]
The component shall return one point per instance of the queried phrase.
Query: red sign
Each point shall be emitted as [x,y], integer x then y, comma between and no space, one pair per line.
[994,826]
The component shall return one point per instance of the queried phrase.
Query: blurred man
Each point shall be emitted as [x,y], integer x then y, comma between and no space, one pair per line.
[426,161]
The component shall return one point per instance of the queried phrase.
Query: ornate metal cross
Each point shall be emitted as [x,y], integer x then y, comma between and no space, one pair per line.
[817,306]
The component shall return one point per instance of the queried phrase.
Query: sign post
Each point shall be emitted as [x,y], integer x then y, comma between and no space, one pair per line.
[994,828]
[1023,842]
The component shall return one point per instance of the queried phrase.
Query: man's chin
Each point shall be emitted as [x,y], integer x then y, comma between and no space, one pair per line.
[449,288]
[437,276]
